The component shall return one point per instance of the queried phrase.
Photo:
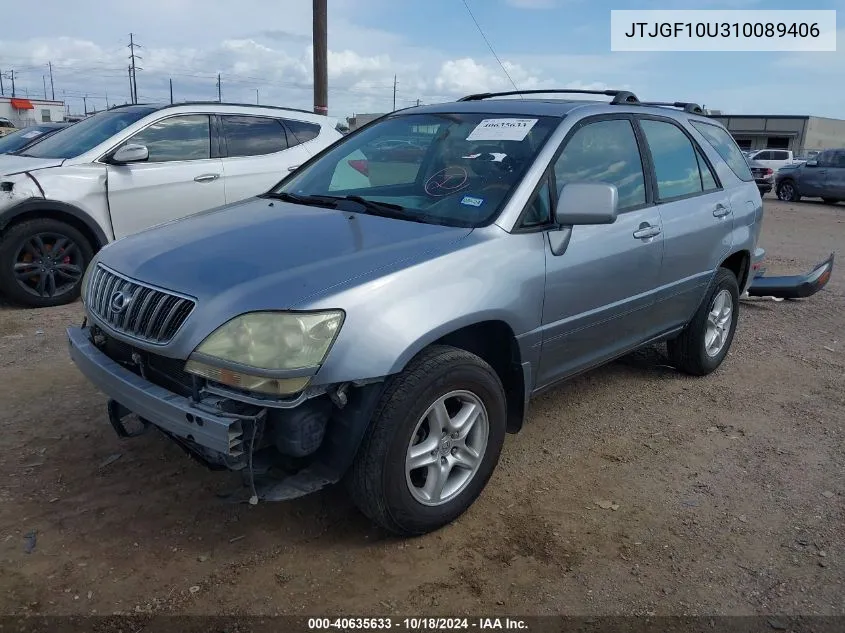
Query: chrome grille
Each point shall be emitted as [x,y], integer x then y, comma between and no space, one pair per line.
[150,314]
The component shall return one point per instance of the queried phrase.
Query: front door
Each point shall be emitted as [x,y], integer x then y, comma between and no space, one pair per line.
[697,217]
[178,179]
[814,177]
[600,289]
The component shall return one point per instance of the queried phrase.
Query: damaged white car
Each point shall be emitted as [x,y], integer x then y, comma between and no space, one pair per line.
[132,167]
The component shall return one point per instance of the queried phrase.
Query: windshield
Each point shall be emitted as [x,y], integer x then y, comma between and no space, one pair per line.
[87,134]
[453,169]
[16,140]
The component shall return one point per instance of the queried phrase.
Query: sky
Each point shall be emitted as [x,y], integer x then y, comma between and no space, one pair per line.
[262,50]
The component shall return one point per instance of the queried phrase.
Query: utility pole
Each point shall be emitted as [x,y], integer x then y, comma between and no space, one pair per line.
[52,87]
[219,90]
[418,102]
[131,98]
[85,104]
[2,90]
[44,81]
[320,45]
[256,97]
[394,93]
[10,75]
[134,68]
[171,90]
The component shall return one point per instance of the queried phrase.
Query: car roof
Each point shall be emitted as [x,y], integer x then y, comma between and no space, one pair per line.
[559,108]
[244,108]
[525,107]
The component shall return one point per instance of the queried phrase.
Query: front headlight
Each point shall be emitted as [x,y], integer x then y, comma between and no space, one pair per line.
[269,342]
[83,289]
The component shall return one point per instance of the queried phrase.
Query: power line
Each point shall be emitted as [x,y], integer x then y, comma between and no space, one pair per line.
[490,46]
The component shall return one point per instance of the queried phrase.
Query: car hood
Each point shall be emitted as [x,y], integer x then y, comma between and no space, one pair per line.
[11,164]
[262,254]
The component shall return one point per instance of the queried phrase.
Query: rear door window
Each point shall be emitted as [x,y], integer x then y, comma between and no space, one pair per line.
[726,147]
[253,136]
[675,162]
[301,132]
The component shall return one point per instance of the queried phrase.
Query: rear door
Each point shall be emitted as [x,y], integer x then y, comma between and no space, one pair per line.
[835,177]
[696,214]
[257,153]
[179,178]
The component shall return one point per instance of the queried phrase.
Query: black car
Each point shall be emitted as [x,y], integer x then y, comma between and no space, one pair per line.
[21,139]
[763,176]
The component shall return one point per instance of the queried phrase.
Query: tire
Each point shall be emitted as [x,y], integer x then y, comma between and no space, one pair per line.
[689,351]
[379,482]
[787,191]
[57,282]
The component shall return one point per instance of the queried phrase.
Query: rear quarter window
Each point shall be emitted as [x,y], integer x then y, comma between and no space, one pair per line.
[726,147]
[301,132]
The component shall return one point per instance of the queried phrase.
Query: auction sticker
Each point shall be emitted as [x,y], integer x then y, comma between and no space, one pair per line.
[502,130]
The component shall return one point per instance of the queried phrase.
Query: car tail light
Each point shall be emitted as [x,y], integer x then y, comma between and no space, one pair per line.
[360,166]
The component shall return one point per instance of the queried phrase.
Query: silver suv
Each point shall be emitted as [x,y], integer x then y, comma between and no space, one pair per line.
[384,314]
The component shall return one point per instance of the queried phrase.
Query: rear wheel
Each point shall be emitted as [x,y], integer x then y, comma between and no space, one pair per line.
[42,262]
[433,443]
[705,342]
[788,191]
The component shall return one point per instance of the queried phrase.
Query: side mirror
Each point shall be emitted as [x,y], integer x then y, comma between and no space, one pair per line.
[131,153]
[587,203]
[812,163]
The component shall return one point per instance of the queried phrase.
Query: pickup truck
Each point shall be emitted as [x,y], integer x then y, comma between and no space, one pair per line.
[772,158]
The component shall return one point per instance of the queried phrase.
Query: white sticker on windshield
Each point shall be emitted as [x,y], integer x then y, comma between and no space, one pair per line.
[502,130]
[30,134]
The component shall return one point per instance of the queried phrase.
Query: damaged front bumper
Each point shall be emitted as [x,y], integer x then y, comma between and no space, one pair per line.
[792,286]
[284,453]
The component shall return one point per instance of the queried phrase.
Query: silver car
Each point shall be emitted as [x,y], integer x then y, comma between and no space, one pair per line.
[384,318]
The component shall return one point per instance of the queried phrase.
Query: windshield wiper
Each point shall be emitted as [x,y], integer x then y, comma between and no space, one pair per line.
[374,207]
[312,201]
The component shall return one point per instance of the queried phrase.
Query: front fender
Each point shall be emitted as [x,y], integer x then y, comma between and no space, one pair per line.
[37,206]
[391,318]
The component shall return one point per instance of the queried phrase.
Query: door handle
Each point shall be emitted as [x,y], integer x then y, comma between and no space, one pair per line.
[294,168]
[646,231]
[206,177]
[721,210]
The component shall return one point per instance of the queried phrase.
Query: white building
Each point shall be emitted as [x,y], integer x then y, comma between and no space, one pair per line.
[23,112]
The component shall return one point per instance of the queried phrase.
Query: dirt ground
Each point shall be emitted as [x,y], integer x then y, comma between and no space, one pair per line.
[730,490]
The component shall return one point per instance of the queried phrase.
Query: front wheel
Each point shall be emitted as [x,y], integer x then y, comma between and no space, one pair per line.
[42,262]
[788,192]
[433,443]
[705,342]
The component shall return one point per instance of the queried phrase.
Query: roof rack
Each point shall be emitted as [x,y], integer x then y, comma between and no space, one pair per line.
[224,103]
[689,108]
[619,96]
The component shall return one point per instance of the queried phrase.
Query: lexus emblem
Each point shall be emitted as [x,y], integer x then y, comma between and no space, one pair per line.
[120,300]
